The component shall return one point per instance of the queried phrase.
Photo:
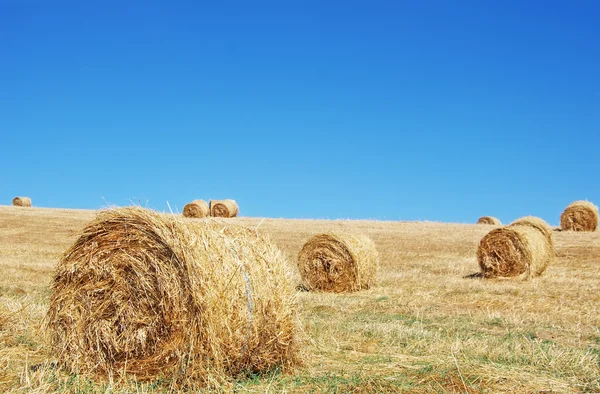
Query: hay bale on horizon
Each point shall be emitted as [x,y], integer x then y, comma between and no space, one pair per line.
[524,249]
[224,208]
[196,209]
[579,216]
[489,220]
[21,202]
[148,294]
[338,262]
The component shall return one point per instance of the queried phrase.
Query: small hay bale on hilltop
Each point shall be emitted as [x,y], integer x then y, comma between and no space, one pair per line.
[148,294]
[489,220]
[21,202]
[524,250]
[338,262]
[579,216]
[224,208]
[196,209]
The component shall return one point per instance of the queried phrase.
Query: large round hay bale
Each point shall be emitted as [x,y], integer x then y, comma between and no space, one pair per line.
[514,251]
[579,216]
[223,208]
[196,209]
[537,223]
[152,295]
[338,262]
[21,202]
[489,220]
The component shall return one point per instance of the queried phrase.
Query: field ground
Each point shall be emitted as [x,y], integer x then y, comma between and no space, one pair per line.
[422,328]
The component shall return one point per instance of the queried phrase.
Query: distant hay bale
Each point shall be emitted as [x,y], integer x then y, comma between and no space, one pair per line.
[489,220]
[524,249]
[579,216]
[223,208]
[196,209]
[338,262]
[21,202]
[148,294]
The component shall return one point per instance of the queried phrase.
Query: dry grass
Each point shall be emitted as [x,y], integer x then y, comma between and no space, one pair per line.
[422,328]
[579,216]
[338,262]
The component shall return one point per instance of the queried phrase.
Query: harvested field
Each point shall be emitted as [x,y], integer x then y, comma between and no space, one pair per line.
[421,328]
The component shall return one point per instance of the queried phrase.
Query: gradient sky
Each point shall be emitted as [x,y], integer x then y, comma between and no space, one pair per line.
[421,110]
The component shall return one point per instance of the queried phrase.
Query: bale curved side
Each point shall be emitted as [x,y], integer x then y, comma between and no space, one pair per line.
[489,220]
[515,251]
[224,208]
[21,202]
[196,209]
[338,262]
[535,222]
[153,295]
[579,216]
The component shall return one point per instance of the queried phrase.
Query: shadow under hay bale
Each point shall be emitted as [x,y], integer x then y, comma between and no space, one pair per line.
[224,208]
[489,220]
[196,209]
[338,262]
[21,202]
[579,216]
[148,294]
[523,250]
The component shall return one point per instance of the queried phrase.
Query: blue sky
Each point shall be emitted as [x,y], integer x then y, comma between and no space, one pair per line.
[428,110]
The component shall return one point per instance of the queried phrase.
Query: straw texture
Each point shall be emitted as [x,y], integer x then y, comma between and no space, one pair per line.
[224,208]
[154,295]
[338,262]
[579,216]
[196,209]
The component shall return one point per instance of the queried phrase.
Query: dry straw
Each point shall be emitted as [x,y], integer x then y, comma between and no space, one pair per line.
[338,262]
[223,208]
[523,250]
[21,202]
[489,220]
[579,216]
[196,209]
[155,295]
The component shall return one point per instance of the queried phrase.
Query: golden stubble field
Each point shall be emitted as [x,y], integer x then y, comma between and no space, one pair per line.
[423,327]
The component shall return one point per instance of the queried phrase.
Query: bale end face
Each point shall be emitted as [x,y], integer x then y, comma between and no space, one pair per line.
[579,216]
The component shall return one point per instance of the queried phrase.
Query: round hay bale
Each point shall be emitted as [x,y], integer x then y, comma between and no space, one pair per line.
[21,202]
[537,223]
[196,209]
[579,216]
[338,262]
[223,208]
[514,251]
[489,220]
[153,295]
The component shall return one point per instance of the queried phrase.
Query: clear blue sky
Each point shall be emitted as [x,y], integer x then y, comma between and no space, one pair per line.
[398,110]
